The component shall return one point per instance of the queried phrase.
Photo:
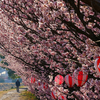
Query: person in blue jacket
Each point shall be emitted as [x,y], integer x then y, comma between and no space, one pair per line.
[17,85]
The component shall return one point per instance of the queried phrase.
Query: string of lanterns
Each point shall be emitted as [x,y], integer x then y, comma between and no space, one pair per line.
[77,78]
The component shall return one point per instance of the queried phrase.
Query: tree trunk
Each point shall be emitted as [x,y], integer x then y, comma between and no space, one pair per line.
[95,4]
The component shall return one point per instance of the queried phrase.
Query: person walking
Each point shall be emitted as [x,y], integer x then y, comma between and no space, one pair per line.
[17,85]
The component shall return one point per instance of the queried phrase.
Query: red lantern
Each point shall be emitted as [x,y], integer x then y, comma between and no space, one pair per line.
[69,80]
[97,65]
[32,79]
[59,79]
[53,94]
[39,83]
[62,97]
[45,86]
[80,78]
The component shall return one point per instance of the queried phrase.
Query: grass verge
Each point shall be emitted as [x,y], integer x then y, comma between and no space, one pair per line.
[26,95]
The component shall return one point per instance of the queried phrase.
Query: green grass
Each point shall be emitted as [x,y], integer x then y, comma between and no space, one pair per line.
[26,95]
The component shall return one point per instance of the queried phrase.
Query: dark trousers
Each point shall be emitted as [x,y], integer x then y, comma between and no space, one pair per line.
[17,88]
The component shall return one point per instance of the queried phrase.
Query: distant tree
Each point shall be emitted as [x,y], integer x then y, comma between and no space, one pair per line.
[14,80]
[2,57]
[11,73]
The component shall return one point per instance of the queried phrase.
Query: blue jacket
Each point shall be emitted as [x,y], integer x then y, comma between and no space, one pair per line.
[17,83]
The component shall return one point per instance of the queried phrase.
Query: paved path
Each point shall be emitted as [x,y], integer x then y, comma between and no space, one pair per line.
[12,95]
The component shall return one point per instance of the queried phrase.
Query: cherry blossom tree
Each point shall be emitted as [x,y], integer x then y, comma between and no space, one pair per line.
[46,38]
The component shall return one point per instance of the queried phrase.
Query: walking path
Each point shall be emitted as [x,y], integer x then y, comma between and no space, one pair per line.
[13,95]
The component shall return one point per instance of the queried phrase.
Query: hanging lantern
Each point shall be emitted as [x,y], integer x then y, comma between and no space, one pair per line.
[97,65]
[80,78]
[62,97]
[53,94]
[59,79]
[39,83]
[69,80]
[32,79]
[45,86]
